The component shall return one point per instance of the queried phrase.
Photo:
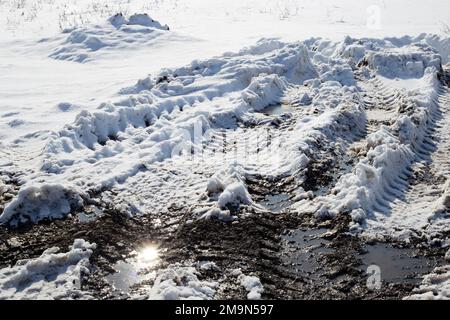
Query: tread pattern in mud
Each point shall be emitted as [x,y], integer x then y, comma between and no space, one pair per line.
[255,243]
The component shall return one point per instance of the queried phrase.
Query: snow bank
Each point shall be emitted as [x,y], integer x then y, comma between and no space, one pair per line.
[359,191]
[36,202]
[441,43]
[162,117]
[53,275]
[159,119]
[80,44]
[248,84]
[404,62]
[382,173]
[178,282]
[264,90]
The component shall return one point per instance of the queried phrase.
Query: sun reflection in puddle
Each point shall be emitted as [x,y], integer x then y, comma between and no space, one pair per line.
[148,256]
[136,269]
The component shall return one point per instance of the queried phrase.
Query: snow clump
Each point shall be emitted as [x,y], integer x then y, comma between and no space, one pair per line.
[53,275]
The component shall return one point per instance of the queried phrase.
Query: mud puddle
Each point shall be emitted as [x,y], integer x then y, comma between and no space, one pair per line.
[90,214]
[276,202]
[134,270]
[397,265]
[303,252]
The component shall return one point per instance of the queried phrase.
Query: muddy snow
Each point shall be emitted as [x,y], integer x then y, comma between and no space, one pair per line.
[286,169]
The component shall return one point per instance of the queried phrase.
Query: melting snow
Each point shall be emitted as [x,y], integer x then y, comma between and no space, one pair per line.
[52,275]
[183,134]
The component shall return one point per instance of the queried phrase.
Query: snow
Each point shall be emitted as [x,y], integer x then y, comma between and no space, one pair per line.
[141,276]
[405,62]
[52,275]
[252,284]
[82,44]
[74,119]
[443,202]
[223,215]
[234,194]
[29,78]
[169,115]
[229,188]
[180,283]
[246,19]
[390,150]
[434,286]
[3,187]
[115,142]
[447,255]
[38,202]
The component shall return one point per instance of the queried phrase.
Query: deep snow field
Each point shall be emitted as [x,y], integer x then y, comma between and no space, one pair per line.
[173,149]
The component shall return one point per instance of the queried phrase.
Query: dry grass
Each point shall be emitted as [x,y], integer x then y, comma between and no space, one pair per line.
[62,14]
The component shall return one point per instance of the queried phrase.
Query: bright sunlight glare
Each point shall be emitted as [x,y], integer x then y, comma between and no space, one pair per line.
[148,255]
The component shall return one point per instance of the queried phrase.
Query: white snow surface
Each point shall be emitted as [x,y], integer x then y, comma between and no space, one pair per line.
[252,284]
[82,44]
[178,282]
[53,275]
[42,201]
[33,86]
[368,190]
[232,19]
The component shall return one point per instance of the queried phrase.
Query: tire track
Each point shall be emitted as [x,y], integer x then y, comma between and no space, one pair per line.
[380,107]
[428,176]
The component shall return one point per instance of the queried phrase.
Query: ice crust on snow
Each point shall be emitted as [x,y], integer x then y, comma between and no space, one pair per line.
[53,275]
[80,44]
